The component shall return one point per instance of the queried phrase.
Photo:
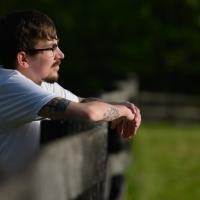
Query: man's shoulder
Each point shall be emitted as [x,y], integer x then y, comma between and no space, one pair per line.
[14,79]
[5,71]
[5,74]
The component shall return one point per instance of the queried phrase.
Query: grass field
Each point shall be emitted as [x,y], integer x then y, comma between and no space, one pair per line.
[165,163]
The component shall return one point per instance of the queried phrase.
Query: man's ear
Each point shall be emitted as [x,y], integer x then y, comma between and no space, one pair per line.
[22,59]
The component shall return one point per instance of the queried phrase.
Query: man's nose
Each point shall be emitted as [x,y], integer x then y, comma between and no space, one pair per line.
[60,54]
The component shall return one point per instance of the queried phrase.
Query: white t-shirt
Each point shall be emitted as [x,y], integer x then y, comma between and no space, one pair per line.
[20,101]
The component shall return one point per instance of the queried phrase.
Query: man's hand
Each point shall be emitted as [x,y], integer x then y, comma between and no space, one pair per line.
[127,128]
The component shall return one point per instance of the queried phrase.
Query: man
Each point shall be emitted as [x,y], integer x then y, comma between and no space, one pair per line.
[30,58]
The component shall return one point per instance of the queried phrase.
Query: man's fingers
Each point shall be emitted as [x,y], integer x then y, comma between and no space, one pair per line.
[129,129]
[119,127]
[126,129]
[115,122]
[137,118]
[131,106]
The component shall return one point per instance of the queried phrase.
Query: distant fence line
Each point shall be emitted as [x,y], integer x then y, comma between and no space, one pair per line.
[157,106]
[77,161]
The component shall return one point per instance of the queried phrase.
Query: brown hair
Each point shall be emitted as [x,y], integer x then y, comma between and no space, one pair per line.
[20,31]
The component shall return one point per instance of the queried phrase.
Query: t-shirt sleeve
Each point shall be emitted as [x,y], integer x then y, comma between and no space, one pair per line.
[58,90]
[21,100]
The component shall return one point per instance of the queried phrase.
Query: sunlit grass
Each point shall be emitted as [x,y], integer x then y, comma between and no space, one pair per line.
[165,163]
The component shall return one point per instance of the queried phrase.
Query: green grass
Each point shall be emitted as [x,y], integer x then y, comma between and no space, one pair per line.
[165,163]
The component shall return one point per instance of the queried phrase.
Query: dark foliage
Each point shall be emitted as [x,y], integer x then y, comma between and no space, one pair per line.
[107,40]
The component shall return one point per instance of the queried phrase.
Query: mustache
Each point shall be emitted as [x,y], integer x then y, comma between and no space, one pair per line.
[56,63]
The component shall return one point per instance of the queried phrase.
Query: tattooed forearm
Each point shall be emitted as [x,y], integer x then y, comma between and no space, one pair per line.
[111,114]
[57,105]
[54,107]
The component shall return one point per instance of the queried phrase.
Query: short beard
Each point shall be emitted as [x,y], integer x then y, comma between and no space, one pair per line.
[51,79]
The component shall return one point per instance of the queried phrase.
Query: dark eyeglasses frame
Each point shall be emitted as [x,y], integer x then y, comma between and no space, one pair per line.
[53,48]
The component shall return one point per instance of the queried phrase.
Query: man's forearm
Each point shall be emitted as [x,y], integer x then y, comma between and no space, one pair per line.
[59,108]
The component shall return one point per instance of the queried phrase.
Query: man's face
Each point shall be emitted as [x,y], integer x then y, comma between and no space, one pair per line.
[44,64]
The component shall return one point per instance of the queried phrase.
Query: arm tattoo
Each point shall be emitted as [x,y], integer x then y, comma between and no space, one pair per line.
[55,106]
[111,114]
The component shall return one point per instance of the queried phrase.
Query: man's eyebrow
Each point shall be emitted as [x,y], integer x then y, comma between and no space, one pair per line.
[57,42]
[54,40]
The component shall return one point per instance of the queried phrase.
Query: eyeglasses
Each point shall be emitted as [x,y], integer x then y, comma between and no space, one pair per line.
[52,49]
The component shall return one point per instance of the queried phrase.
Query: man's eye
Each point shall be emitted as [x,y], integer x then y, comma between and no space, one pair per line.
[54,47]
